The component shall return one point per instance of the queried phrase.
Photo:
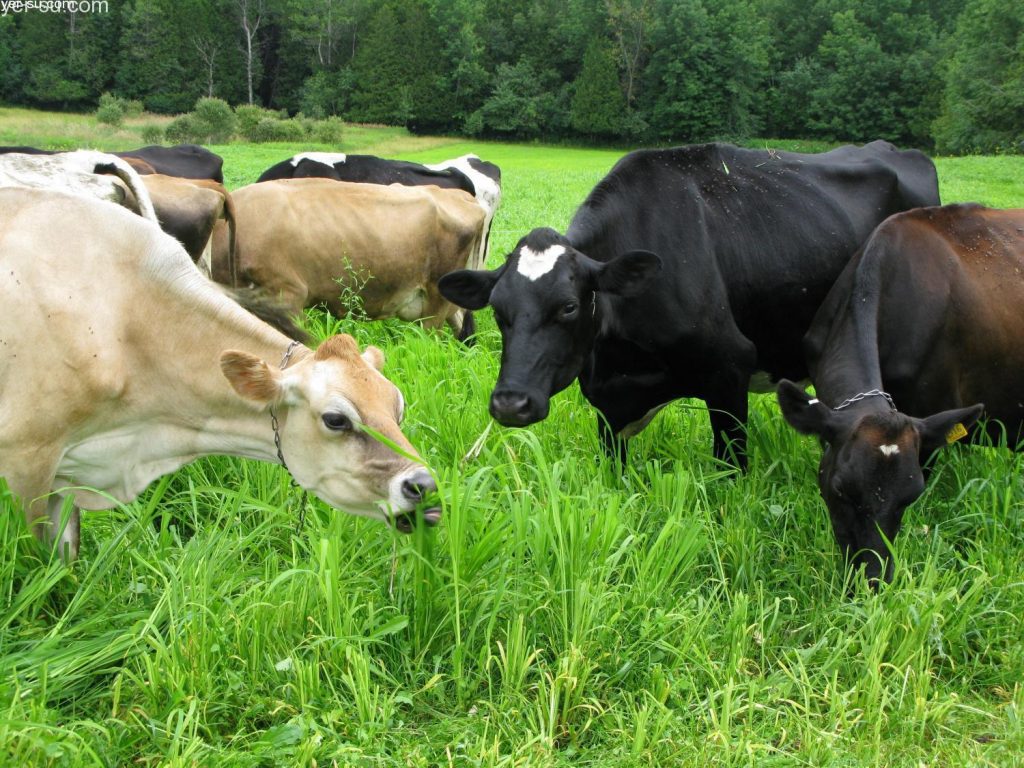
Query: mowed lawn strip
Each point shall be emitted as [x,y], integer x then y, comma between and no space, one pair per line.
[562,614]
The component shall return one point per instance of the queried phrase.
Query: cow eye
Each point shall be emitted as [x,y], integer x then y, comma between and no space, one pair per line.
[337,422]
[569,309]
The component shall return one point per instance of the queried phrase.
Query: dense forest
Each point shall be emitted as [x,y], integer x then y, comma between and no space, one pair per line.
[940,74]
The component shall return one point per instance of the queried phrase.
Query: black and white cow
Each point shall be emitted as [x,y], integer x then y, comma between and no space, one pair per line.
[186,161]
[685,272]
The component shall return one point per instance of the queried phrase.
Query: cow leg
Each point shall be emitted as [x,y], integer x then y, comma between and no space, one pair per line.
[614,444]
[727,409]
[465,333]
[205,262]
[65,534]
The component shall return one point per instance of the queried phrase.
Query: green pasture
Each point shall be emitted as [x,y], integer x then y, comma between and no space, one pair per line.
[563,614]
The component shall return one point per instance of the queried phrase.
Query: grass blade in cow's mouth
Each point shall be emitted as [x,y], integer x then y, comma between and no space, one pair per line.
[406,521]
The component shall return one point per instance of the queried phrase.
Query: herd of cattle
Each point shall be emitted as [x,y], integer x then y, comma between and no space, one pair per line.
[703,271]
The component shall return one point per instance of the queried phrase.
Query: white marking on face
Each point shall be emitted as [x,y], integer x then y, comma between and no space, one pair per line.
[533,265]
[327,158]
[889,450]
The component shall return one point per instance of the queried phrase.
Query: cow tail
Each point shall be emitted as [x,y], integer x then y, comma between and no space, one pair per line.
[229,217]
[116,166]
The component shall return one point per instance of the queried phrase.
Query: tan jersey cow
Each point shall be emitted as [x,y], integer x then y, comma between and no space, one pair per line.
[104,389]
[188,209]
[312,241]
[84,172]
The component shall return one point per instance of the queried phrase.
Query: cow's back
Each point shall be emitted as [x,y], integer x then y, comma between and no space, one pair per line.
[299,237]
[750,238]
[936,297]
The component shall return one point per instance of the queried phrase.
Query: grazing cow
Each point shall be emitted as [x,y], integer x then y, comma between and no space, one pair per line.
[187,161]
[928,319]
[188,209]
[684,272]
[313,241]
[84,172]
[469,173]
[100,397]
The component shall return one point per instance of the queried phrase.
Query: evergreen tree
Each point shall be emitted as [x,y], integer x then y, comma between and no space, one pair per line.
[382,94]
[598,105]
[983,103]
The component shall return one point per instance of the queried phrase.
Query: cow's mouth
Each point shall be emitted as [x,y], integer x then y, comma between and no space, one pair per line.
[406,521]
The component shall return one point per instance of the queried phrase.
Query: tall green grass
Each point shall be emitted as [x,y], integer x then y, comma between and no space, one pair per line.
[565,613]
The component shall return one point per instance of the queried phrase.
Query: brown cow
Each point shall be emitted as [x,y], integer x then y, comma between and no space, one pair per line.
[924,325]
[312,241]
[100,396]
[188,209]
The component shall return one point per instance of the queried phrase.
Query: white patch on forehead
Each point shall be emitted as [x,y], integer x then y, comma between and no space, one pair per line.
[889,450]
[533,265]
[327,158]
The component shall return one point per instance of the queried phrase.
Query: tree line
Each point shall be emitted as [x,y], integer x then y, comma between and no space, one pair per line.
[946,75]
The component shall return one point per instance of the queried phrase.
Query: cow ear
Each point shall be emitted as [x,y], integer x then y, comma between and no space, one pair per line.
[469,288]
[252,378]
[946,428]
[806,414]
[628,274]
[374,357]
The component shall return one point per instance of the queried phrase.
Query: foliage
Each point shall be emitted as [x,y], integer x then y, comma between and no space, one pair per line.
[686,70]
[598,104]
[215,120]
[152,134]
[983,104]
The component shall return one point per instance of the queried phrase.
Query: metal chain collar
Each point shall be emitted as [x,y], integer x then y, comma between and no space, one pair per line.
[862,395]
[276,426]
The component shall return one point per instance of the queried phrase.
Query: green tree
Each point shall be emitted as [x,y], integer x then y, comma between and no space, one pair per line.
[706,70]
[382,94]
[983,101]
[876,64]
[598,105]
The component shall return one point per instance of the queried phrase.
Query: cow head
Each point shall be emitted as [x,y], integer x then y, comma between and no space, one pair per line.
[870,469]
[545,299]
[339,430]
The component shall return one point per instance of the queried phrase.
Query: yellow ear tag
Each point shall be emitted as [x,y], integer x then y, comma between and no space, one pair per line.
[956,433]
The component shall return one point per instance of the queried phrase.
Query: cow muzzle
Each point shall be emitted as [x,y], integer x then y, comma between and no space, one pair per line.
[414,489]
[517,409]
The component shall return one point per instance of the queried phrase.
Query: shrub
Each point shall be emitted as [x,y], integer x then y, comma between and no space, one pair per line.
[214,119]
[132,107]
[111,110]
[328,131]
[273,129]
[183,129]
[249,117]
[152,134]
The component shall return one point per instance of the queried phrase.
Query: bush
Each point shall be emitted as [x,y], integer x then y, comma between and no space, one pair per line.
[152,134]
[249,117]
[111,110]
[132,107]
[214,120]
[183,129]
[328,131]
[273,129]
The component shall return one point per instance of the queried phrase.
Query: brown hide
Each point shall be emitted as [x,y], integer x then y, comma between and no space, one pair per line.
[312,241]
[188,209]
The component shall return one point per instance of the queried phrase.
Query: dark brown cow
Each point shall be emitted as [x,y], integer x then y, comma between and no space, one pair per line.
[925,324]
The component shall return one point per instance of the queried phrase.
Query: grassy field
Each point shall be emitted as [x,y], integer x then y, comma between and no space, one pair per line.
[562,615]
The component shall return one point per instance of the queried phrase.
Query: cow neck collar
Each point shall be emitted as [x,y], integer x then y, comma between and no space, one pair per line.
[860,396]
[274,423]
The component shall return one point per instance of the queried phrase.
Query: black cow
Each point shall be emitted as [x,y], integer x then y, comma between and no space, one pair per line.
[187,161]
[26,151]
[683,273]
[929,319]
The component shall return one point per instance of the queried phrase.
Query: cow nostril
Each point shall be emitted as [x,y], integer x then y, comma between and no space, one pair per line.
[417,486]
[511,403]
